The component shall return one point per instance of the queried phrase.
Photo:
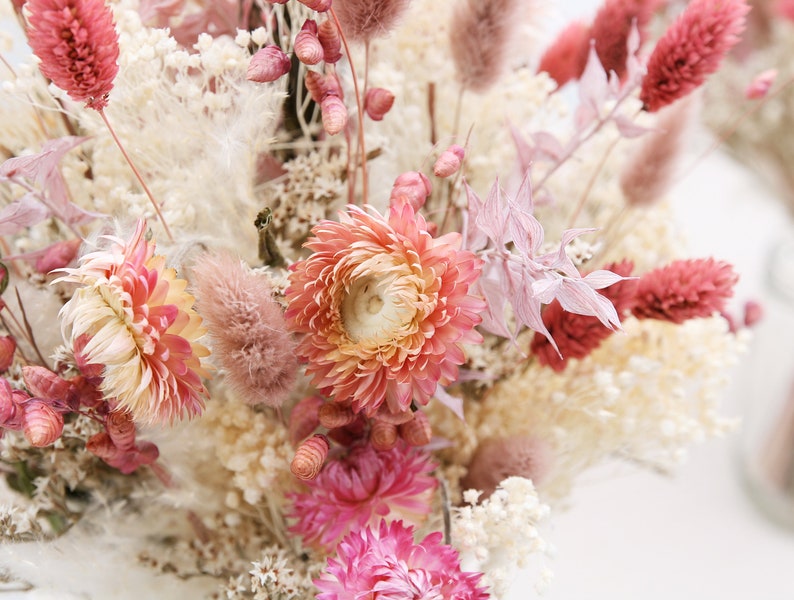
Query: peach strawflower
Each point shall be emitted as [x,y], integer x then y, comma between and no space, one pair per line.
[131,315]
[385,308]
[385,562]
[360,488]
[78,46]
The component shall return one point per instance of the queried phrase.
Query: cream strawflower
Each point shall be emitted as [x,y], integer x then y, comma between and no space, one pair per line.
[132,318]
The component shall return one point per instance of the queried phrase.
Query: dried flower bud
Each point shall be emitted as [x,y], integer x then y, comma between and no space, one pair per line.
[760,85]
[58,255]
[333,415]
[382,435]
[328,35]
[10,412]
[412,187]
[268,64]
[307,45]
[43,383]
[753,312]
[304,419]
[378,102]
[334,114]
[121,429]
[102,446]
[310,457]
[417,431]
[4,278]
[42,424]
[449,162]
[316,85]
[8,345]
[318,5]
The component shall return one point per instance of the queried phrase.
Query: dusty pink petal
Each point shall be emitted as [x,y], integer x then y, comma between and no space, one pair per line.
[78,46]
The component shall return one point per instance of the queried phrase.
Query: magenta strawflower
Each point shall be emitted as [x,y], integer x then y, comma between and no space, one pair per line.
[78,46]
[691,49]
[685,289]
[385,308]
[361,487]
[387,564]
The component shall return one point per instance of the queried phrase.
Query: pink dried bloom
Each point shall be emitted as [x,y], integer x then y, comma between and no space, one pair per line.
[360,488]
[611,28]
[125,459]
[785,9]
[377,102]
[8,347]
[268,64]
[307,45]
[753,313]
[334,114]
[515,456]
[649,171]
[78,47]
[480,36]
[363,20]
[385,562]
[685,289]
[412,187]
[417,431]
[578,335]
[566,58]
[761,84]
[318,5]
[449,162]
[41,423]
[132,316]
[385,308]
[10,409]
[249,334]
[58,255]
[310,457]
[383,435]
[304,418]
[691,49]
[328,35]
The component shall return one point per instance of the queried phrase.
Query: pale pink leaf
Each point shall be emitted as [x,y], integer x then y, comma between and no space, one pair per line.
[526,154]
[548,145]
[593,91]
[453,403]
[628,128]
[491,219]
[601,279]
[21,213]
[579,298]
[474,238]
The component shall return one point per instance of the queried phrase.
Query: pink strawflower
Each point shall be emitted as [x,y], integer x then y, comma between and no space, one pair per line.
[566,58]
[247,326]
[78,47]
[356,490]
[385,563]
[132,317]
[685,289]
[611,28]
[363,20]
[385,308]
[691,49]
[578,335]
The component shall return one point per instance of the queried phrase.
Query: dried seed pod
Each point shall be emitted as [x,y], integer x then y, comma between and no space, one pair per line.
[412,187]
[307,45]
[10,412]
[303,419]
[333,415]
[449,162]
[42,425]
[417,431]
[334,114]
[310,457]
[383,435]
[121,429]
[328,35]
[318,5]
[8,345]
[268,64]
[378,102]
[102,446]
[43,383]
[384,414]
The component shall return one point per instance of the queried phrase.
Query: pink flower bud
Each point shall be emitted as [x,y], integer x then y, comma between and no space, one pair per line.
[42,425]
[333,415]
[58,255]
[449,162]
[753,313]
[328,35]
[378,102]
[417,431]
[268,64]
[412,187]
[102,446]
[334,114]
[8,346]
[43,383]
[10,413]
[121,429]
[318,5]
[310,457]
[307,45]
[761,84]
[303,419]
[315,84]
[383,436]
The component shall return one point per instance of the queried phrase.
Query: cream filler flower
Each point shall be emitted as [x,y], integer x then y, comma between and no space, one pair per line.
[385,308]
[132,317]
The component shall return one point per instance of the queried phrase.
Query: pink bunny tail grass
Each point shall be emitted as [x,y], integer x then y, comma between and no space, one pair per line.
[78,47]
[480,37]
[363,20]
[247,327]
[612,26]
[691,49]
[566,58]
[649,172]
